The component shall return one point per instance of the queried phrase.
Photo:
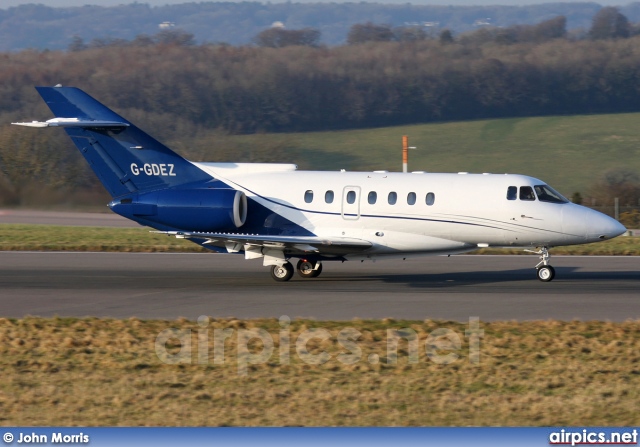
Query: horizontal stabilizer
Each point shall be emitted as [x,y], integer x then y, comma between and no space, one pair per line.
[73,122]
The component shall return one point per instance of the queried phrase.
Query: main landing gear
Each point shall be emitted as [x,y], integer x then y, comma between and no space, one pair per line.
[309,269]
[282,272]
[306,269]
[545,272]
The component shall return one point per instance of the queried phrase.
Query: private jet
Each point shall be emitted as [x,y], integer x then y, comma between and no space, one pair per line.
[280,214]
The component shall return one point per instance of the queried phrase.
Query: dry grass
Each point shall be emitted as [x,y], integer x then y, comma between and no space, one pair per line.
[20,237]
[105,372]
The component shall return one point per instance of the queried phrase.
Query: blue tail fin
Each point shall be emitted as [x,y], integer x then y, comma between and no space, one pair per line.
[124,158]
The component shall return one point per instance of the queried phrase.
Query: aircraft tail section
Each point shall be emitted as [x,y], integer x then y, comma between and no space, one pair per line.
[123,157]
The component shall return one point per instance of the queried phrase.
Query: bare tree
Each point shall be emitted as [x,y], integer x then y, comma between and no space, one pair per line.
[280,37]
[622,183]
[174,37]
[77,44]
[446,37]
[369,32]
[609,23]
[409,34]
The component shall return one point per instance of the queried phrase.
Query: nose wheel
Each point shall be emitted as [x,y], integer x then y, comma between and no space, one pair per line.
[545,272]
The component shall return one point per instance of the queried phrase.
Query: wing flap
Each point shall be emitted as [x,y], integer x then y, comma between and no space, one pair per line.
[289,244]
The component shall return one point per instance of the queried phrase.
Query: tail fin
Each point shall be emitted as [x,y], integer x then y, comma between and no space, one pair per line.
[124,158]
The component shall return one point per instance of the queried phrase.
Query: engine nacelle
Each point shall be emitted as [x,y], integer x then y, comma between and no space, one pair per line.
[206,209]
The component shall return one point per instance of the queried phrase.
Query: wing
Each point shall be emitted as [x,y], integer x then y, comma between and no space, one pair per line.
[256,245]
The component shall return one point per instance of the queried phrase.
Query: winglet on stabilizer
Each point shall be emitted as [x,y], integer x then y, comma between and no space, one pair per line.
[73,122]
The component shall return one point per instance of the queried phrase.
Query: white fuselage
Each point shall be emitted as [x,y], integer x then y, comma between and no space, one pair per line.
[431,214]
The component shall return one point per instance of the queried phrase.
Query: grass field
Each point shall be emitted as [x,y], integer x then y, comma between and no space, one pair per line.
[17,237]
[88,372]
[568,152]
[20,237]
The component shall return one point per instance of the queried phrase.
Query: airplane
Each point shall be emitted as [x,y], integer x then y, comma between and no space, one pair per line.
[276,213]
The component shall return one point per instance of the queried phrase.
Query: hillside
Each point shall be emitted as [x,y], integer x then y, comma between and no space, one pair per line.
[568,152]
[39,26]
[244,104]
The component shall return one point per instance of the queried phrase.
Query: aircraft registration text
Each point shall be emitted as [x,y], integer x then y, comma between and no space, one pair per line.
[153,169]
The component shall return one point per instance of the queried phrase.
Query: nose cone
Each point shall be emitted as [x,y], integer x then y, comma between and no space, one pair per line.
[574,223]
[602,227]
[581,224]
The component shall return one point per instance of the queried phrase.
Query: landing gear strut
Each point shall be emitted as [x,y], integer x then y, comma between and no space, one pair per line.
[282,272]
[309,269]
[545,272]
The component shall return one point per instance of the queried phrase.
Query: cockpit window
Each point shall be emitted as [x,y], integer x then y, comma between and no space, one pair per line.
[512,193]
[526,193]
[548,194]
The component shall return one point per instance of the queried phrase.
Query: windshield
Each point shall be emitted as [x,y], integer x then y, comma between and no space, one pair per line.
[546,193]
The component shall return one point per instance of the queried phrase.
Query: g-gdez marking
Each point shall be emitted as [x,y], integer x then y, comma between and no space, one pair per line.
[153,169]
[274,212]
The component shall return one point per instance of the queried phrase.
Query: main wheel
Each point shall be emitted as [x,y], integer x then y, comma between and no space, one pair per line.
[282,272]
[546,273]
[306,269]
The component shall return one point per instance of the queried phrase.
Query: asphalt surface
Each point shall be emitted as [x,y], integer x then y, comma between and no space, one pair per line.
[107,219]
[168,286]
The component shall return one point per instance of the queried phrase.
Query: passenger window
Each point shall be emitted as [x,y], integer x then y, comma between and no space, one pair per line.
[430,199]
[512,193]
[373,196]
[328,196]
[411,198]
[308,196]
[393,197]
[526,193]
[351,197]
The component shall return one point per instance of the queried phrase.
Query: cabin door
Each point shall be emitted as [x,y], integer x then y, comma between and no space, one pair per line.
[351,203]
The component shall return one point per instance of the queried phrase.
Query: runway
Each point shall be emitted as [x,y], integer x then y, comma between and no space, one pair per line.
[107,219]
[168,286]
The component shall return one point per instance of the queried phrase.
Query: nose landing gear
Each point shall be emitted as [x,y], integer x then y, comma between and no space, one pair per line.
[545,272]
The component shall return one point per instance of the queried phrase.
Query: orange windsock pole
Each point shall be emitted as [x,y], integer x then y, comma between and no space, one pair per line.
[405,152]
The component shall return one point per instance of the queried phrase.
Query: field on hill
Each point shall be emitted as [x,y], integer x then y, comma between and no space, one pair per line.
[88,372]
[568,152]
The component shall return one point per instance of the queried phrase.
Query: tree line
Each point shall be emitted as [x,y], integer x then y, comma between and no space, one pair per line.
[40,27]
[377,83]
[178,88]
[384,76]
[607,23]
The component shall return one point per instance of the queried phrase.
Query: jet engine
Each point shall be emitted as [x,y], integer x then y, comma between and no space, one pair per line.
[204,210]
